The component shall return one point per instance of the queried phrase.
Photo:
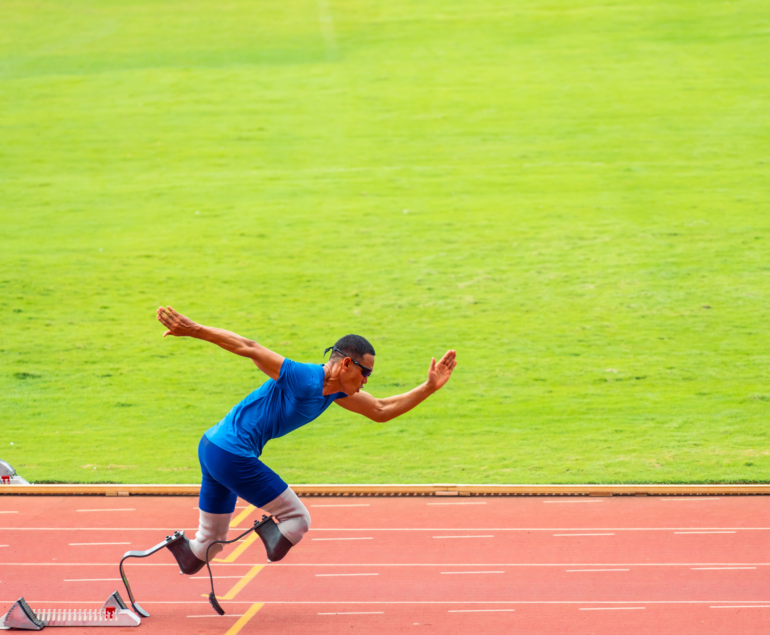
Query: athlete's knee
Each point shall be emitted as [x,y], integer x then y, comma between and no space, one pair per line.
[302,524]
[211,527]
[292,515]
[295,527]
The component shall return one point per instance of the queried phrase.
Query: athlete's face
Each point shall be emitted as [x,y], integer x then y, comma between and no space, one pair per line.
[351,377]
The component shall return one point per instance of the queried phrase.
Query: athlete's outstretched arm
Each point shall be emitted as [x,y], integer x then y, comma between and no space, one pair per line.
[382,410]
[180,326]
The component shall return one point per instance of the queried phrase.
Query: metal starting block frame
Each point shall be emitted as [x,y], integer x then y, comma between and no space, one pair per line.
[114,612]
[8,475]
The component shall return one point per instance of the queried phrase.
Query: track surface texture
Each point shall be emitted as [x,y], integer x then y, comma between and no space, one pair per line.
[601,566]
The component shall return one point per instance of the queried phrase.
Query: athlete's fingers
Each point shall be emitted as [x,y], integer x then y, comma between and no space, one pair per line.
[167,333]
[433,363]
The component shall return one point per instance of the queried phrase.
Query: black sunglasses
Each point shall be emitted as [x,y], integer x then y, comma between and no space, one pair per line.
[365,370]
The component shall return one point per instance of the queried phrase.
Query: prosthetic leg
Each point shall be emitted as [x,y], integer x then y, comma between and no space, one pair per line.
[293,523]
[217,545]
[170,540]
[211,527]
[276,544]
[191,554]
[188,562]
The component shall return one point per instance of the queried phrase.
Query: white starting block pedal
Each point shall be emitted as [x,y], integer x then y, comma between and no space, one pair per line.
[8,475]
[114,612]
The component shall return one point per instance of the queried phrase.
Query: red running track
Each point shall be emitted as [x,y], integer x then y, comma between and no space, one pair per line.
[602,566]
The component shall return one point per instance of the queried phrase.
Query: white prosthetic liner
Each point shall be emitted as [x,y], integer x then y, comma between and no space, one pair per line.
[211,527]
[292,515]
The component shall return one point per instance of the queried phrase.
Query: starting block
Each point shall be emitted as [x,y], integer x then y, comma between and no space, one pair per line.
[114,612]
[8,475]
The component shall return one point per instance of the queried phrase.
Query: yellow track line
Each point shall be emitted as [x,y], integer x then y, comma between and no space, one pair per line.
[244,619]
[230,595]
[239,549]
[242,516]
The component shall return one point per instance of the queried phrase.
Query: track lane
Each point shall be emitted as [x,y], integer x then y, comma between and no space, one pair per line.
[670,584]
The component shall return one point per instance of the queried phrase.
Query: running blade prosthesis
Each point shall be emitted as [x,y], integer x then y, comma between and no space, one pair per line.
[275,544]
[178,535]
[266,528]
[114,612]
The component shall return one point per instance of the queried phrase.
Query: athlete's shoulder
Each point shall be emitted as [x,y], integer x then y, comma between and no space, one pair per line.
[301,379]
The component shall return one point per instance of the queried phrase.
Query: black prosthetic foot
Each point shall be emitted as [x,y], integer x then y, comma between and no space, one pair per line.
[188,562]
[276,544]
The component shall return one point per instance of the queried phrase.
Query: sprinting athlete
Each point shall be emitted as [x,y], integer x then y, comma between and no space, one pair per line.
[294,395]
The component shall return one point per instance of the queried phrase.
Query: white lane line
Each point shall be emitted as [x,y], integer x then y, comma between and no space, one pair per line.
[559,565]
[342,538]
[720,568]
[529,529]
[7,512]
[466,572]
[615,608]
[593,570]
[218,577]
[95,544]
[215,615]
[704,532]
[126,509]
[598,500]
[3,545]
[726,603]
[341,575]
[455,503]
[746,606]
[356,505]
[356,613]
[698,498]
[481,611]
[236,507]
[584,534]
[463,536]
[512,529]
[95,580]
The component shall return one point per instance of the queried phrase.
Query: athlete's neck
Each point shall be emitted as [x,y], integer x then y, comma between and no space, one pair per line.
[332,382]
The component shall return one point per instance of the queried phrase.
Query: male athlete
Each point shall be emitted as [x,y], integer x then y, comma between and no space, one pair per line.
[294,395]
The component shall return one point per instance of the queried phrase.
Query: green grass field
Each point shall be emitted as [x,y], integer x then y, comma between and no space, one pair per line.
[574,195]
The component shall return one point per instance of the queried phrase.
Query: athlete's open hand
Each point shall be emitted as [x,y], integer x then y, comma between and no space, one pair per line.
[440,372]
[177,324]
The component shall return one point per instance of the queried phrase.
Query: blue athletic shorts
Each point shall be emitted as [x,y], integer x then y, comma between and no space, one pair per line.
[227,476]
